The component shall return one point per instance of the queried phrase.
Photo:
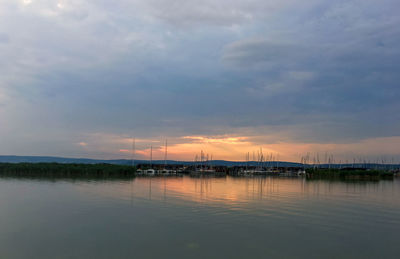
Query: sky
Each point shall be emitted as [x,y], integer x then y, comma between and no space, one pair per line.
[81,78]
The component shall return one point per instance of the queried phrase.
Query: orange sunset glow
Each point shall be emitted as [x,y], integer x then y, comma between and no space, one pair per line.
[234,148]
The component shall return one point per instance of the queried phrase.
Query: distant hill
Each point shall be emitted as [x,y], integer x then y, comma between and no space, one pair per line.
[50,159]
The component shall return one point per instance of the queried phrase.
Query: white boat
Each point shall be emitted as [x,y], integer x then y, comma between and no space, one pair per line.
[150,172]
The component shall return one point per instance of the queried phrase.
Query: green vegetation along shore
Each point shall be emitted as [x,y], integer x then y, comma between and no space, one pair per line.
[66,170]
[348,173]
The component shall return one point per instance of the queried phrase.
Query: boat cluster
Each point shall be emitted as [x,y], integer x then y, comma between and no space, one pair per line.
[161,172]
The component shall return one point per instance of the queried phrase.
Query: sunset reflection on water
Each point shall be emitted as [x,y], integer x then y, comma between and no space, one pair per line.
[239,193]
[228,217]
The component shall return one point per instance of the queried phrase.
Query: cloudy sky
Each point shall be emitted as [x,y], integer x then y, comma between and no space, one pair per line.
[79,78]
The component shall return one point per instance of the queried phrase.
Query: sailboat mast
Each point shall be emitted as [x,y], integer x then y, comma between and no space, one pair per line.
[133,151]
[201,160]
[151,156]
[166,153]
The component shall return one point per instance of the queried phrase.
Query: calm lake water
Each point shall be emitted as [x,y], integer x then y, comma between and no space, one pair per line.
[198,218]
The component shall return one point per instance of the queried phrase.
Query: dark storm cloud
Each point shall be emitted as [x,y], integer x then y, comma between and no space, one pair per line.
[349,76]
[322,70]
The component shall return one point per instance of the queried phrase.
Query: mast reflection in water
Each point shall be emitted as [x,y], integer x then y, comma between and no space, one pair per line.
[187,217]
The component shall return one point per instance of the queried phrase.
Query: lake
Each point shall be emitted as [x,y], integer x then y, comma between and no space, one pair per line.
[184,217]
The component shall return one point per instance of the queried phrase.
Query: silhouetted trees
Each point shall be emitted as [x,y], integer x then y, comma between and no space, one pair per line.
[57,169]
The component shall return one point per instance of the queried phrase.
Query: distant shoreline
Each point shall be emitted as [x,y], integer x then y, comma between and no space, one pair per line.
[350,174]
[69,170]
[74,170]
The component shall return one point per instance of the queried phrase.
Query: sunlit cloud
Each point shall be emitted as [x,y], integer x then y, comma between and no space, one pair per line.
[217,140]
[82,144]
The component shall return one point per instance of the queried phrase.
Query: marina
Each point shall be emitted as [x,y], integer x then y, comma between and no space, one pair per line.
[199,129]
